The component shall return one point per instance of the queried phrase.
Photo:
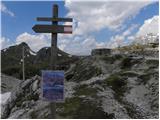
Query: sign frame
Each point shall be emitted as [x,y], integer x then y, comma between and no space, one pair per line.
[42,81]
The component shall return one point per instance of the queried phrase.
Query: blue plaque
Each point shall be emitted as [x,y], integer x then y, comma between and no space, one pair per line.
[53,85]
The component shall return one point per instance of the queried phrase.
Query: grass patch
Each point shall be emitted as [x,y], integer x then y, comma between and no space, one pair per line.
[85,90]
[98,71]
[129,73]
[117,83]
[33,115]
[77,108]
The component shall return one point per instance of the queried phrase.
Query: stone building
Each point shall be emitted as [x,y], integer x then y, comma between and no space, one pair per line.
[101,51]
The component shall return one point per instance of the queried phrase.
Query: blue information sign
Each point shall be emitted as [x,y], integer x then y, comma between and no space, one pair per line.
[53,85]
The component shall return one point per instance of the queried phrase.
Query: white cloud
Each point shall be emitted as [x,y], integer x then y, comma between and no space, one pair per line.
[36,42]
[146,32]
[5,42]
[150,26]
[94,16]
[76,45]
[116,41]
[131,38]
[120,39]
[4,9]
[79,45]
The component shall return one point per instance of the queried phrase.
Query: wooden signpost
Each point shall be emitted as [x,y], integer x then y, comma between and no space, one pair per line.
[54,29]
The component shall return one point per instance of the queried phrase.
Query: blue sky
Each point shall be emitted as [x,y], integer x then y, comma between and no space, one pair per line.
[25,13]
[25,16]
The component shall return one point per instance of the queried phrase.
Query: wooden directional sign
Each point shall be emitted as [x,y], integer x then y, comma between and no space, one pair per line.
[53,29]
[54,19]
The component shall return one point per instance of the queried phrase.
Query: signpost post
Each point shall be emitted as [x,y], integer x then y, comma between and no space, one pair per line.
[54,29]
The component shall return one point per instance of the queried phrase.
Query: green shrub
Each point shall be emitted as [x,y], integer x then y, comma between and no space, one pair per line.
[98,71]
[117,83]
[126,63]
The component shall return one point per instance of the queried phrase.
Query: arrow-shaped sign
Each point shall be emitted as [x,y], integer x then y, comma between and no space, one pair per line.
[53,29]
[54,19]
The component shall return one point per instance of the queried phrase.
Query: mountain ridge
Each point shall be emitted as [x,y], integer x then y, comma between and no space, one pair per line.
[34,62]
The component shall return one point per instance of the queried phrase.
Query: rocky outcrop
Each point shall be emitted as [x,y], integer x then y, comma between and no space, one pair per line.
[8,83]
[25,101]
[107,86]
[146,53]
[128,88]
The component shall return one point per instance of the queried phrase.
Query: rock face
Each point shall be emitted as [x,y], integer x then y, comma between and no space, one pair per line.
[25,101]
[8,83]
[107,86]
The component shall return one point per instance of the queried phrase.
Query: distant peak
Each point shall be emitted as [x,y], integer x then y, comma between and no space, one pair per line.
[23,44]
